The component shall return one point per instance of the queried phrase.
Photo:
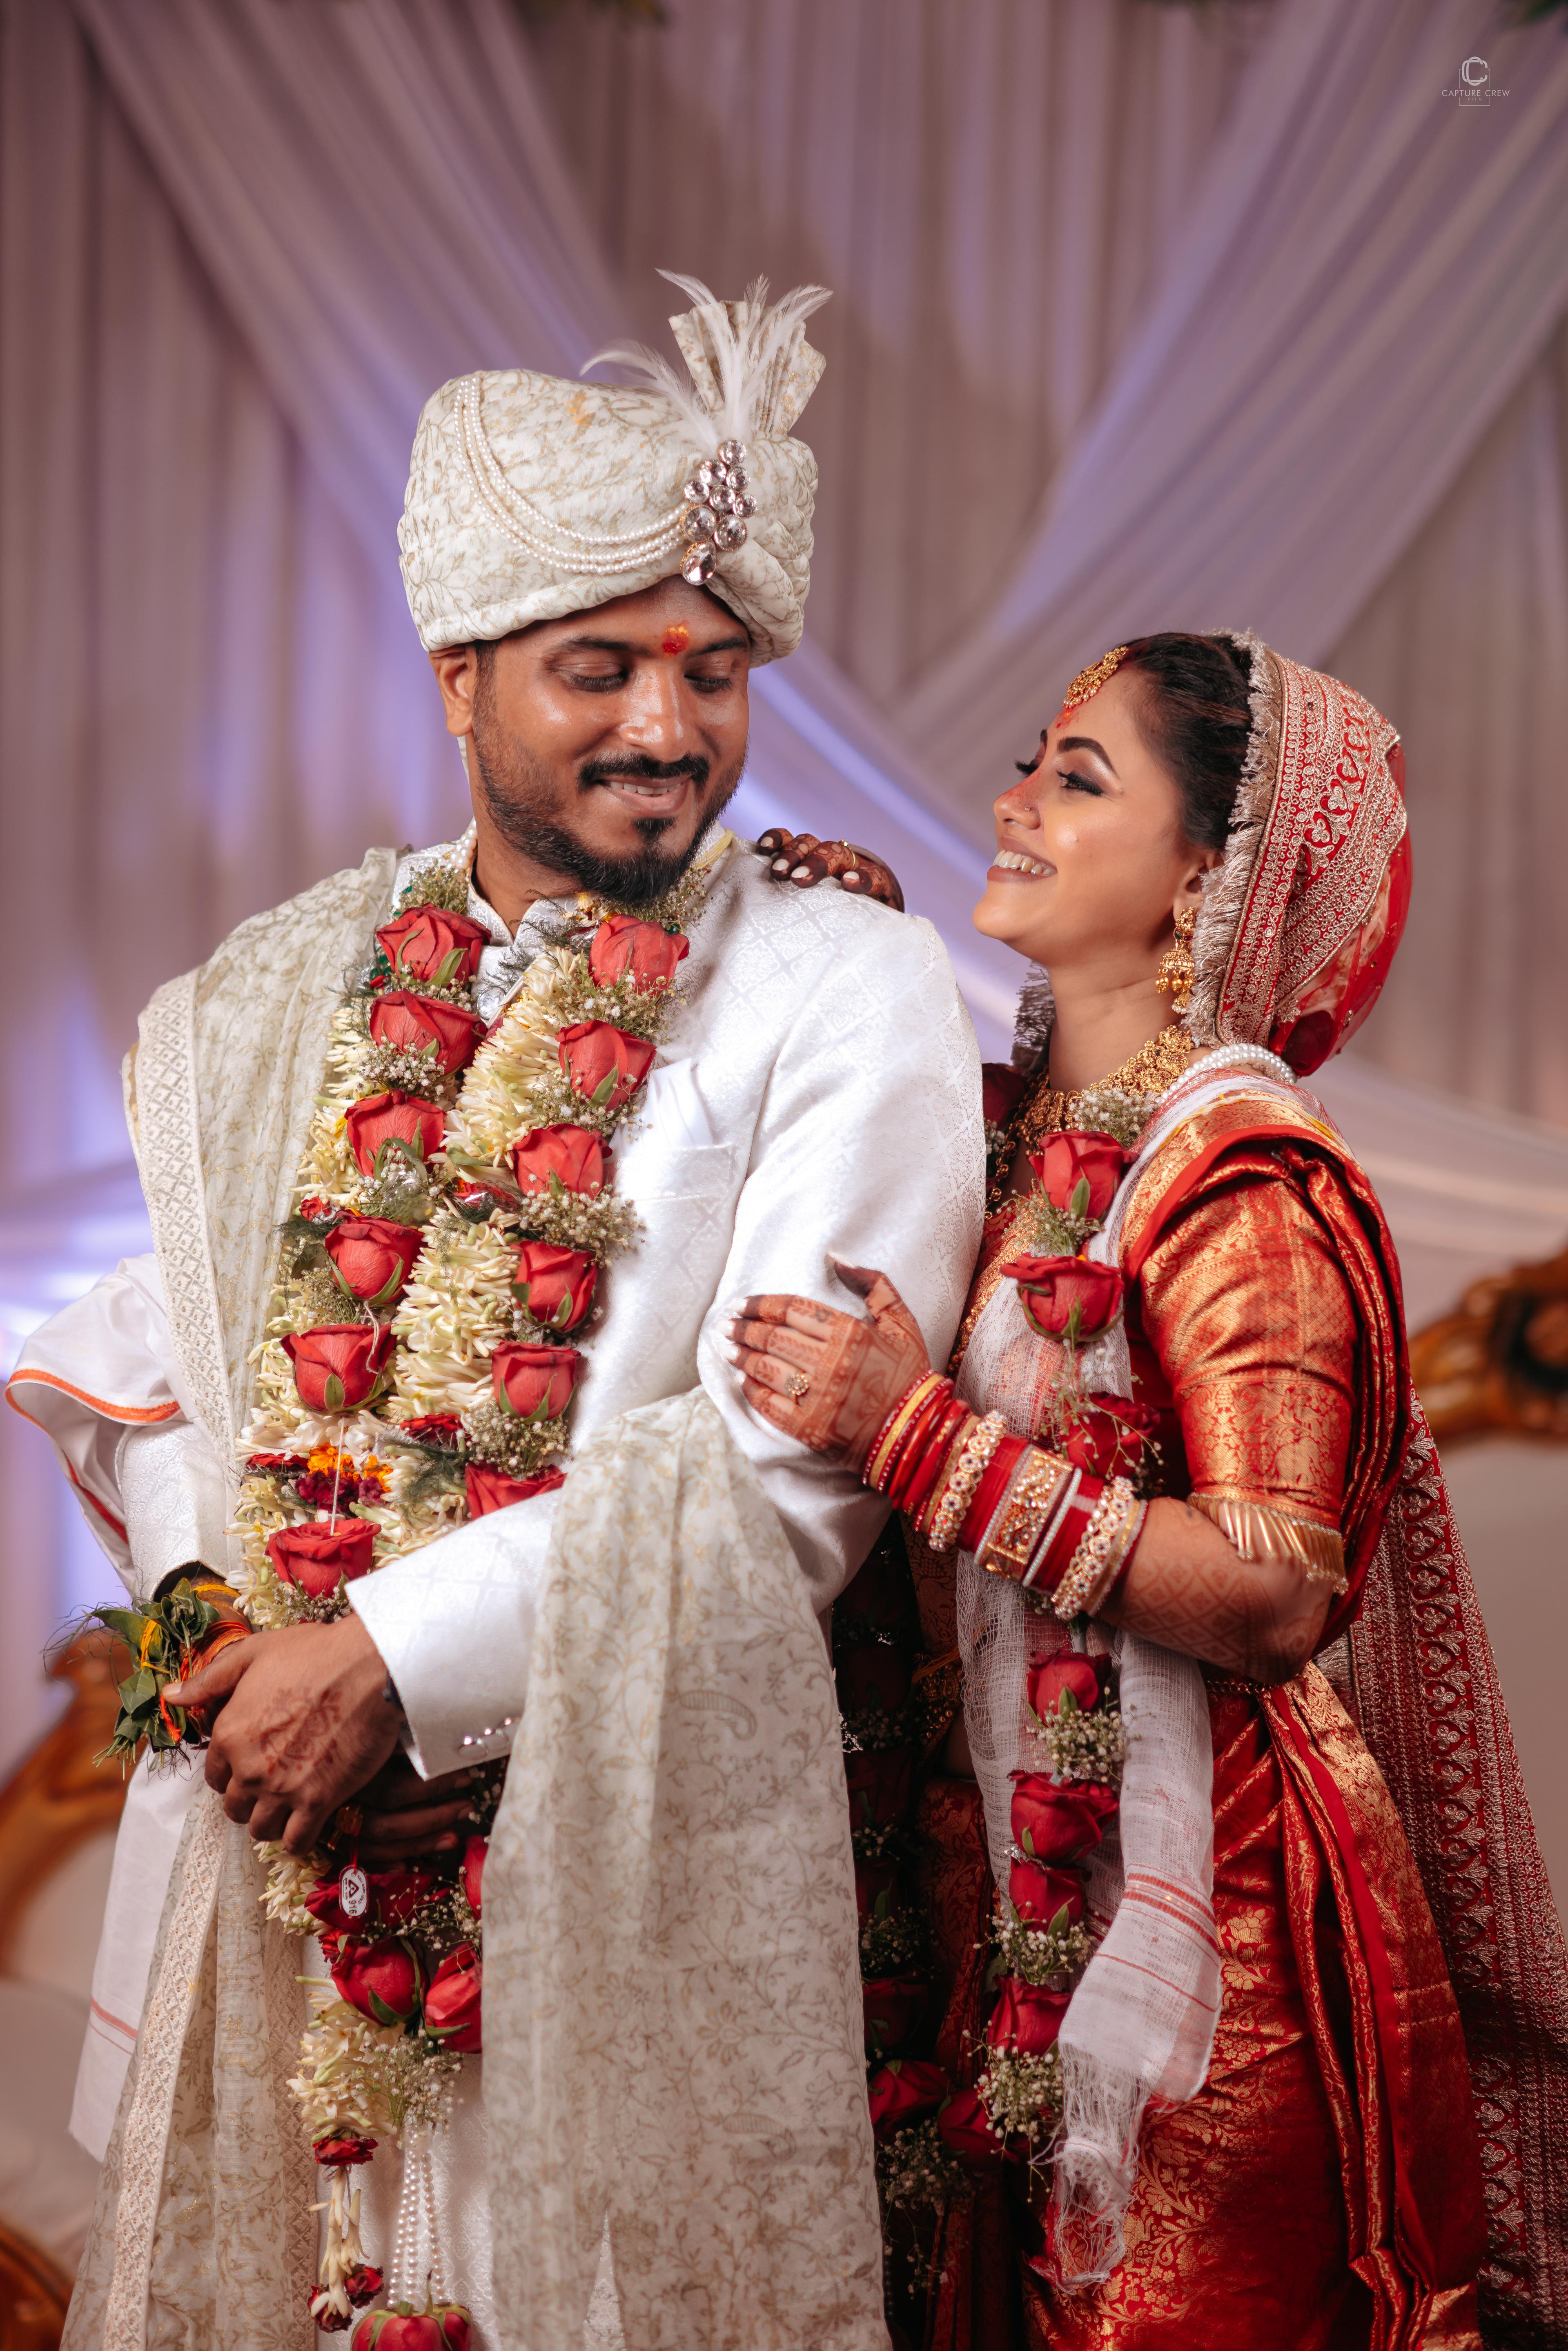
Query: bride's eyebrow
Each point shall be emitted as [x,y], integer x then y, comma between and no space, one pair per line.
[1085,743]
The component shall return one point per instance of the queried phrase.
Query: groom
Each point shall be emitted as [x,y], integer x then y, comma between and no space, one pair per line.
[592,577]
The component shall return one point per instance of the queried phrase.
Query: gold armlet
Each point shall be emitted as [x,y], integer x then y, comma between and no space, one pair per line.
[1262,1531]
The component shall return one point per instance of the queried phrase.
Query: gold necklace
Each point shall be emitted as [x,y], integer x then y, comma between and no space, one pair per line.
[1044,1109]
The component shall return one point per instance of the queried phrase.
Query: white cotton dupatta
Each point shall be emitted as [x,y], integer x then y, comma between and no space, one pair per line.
[1142,2019]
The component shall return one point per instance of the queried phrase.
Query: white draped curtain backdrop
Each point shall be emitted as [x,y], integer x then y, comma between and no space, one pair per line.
[1143,317]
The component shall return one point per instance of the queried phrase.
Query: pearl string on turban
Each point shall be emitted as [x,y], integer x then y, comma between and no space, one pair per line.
[530,497]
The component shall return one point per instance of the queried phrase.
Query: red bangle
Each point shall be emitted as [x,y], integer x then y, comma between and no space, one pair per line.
[989,1491]
[919,1468]
[1067,1534]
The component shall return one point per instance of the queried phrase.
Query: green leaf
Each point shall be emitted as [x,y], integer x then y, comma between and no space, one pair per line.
[602,1090]
[441,977]
[334,1395]
[1027,1841]
[1060,1923]
[382,2013]
[1074,1323]
[127,1622]
[1067,1703]
[884,1904]
[1079,1204]
[522,1291]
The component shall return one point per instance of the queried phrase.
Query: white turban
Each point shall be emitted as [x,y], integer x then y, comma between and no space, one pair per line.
[530,497]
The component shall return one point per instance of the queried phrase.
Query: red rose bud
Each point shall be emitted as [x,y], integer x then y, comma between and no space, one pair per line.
[316,1557]
[322,2313]
[362,2285]
[964,2126]
[622,945]
[876,1884]
[415,1024]
[381,1980]
[344,2147]
[338,1366]
[473,1853]
[1001,1087]
[1066,1297]
[1078,1173]
[901,2092]
[605,1064]
[892,2006]
[1053,1824]
[1039,1896]
[372,1255]
[427,943]
[444,2327]
[1108,1439]
[1027,2018]
[554,1285]
[379,1123]
[452,2002]
[492,1489]
[1084,1679]
[535,1383]
[872,1674]
[575,1158]
[878,1783]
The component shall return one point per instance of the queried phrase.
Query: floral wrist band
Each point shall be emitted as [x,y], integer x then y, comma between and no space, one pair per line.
[969,1464]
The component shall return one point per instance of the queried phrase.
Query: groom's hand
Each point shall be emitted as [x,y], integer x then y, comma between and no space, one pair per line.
[303,1724]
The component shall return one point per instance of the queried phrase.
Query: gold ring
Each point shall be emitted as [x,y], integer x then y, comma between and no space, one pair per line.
[797,1385]
[349,1820]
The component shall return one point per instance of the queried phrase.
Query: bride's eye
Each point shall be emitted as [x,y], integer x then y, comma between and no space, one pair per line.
[1076,783]
[1027,767]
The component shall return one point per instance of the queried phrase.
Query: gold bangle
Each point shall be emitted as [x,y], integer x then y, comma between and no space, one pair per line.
[897,1426]
[1030,1500]
[961,1480]
[1113,1512]
[1121,1540]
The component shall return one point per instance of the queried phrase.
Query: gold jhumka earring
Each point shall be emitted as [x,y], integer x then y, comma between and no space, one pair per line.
[1175,977]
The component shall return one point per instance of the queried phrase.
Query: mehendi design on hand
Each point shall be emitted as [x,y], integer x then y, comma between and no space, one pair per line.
[854,1370]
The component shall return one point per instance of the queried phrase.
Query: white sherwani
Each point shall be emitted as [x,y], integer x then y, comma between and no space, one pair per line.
[817,1089]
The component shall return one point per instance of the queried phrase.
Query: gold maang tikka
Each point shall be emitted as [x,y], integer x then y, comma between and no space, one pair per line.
[1088,681]
[1176,971]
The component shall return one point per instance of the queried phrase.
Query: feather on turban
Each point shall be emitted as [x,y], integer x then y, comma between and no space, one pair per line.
[530,497]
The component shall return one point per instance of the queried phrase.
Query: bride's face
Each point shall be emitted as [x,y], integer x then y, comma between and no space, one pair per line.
[1091,860]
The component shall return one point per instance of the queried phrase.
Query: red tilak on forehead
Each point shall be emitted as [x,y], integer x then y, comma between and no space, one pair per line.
[675,640]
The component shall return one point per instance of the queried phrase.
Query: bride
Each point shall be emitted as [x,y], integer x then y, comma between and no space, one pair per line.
[1267,1927]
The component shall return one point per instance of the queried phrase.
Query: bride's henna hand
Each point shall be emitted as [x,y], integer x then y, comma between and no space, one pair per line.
[854,1372]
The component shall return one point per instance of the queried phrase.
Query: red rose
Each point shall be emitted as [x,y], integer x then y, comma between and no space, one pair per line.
[876,1883]
[344,2147]
[567,1155]
[892,2006]
[415,1024]
[1083,1679]
[903,2091]
[473,1853]
[621,943]
[879,1779]
[492,1489]
[362,2284]
[604,1063]
[317,1211]
[872,1674]
[382,1979]
[395,1894]
[452,2003]
[427,943]
[316,1557]
[1027,2018]
[1064,1161]
[338,1366]
[1000,1089]
[372,1255]
[443,2327]
[966,2129]
[377,1120]
[554,1285]
[1059,1822]
[535,1383]
[1066,1297]
[1039,1896]
[442,1428]
[1108,1439]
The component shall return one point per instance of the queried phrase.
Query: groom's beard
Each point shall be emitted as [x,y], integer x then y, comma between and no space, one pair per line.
[523,804]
